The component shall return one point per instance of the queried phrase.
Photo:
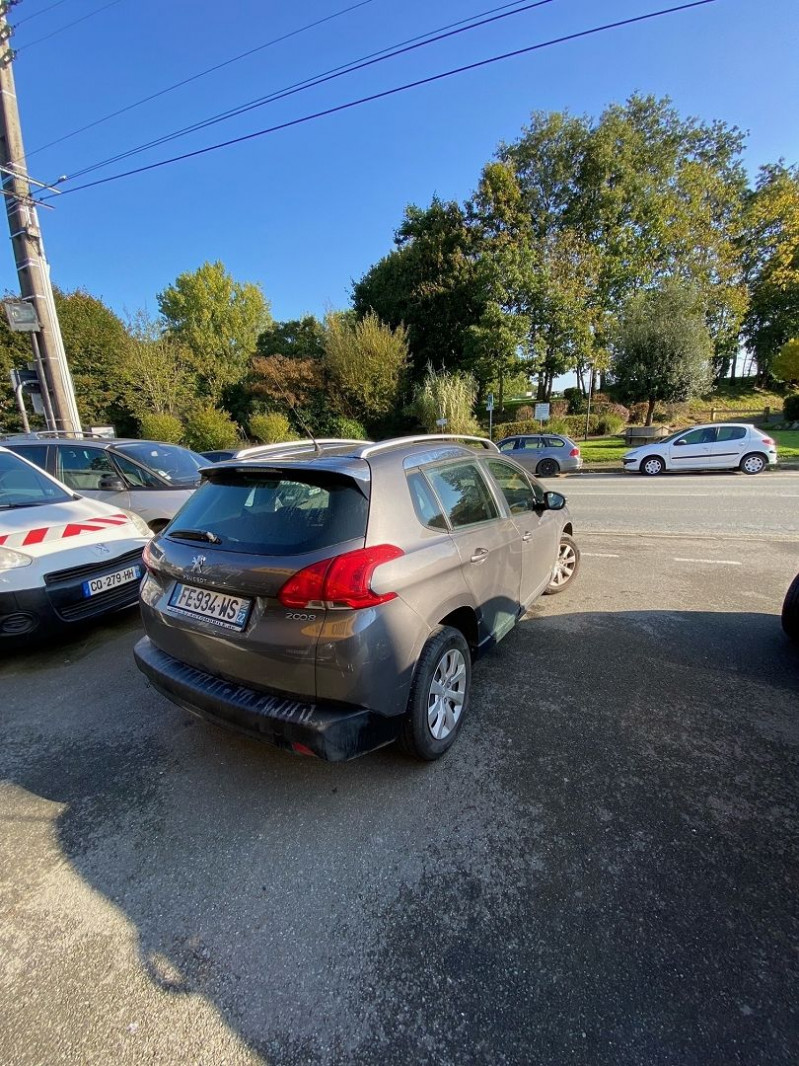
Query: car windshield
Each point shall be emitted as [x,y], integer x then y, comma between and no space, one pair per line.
[21,485]
[273,513]
[175,464]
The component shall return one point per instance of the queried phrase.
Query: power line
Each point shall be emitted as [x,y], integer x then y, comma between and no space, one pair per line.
[36,14]
[201,74]
[67,25]
[348,68]
[392,92]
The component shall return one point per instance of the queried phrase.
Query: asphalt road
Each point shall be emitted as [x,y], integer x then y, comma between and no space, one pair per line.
[603,870]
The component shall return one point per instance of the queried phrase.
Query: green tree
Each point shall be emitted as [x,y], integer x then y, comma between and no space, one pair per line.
[662,347]
[771,252]
[364,363]
[302,338]
[217,320]
[208,428]
[428,284]
[786,365]
[96,343]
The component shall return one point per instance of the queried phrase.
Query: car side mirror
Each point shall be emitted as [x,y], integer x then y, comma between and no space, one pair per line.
[680,443]
[554,501]
[112,483]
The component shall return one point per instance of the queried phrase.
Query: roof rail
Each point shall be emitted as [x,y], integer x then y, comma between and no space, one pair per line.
[395,442]
[296,446]
[48,434]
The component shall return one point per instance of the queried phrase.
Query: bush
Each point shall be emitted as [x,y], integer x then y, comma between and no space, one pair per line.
[349,428]
[637,415]
[790,407]
[575,401]
[271,428]
[167,428]
[617,409]
[524,413]
[557,425]
[208,428]
[557,408]
[513,429]
[608,424]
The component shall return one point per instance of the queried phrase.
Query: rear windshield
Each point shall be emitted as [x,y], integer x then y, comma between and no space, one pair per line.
[21,485]
[273,513]
[175,464]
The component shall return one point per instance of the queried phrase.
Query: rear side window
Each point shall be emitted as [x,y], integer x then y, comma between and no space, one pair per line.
[136,475]
[427,507]
[273,513]
[530,442]
[34,453]
[463,493]
[555,442]
[731,433]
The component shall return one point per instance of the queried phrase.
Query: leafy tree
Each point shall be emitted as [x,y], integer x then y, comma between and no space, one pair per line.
[786,365]
[217,320]
[428,285]
[771,253]
[155,379]
[662,347]
[302,338]
[96,344]
[364,362]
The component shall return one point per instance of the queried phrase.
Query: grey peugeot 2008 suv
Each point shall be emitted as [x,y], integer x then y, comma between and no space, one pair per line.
[331,598]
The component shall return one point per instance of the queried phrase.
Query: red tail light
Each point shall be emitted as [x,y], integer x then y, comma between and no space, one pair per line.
[343,581]
[767,440]
[574,453]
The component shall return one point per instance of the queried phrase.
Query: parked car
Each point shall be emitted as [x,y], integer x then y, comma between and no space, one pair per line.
[332,600]
[218,456]
[148,477]
[719,446]
[790,611]
[543,454]
[63,559]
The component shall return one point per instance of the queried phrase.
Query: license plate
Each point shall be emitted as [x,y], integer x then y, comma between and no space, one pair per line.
[96,585]
[230,612]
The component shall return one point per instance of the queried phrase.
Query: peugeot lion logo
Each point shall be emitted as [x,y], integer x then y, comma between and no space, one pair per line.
[197,564]
[102,549]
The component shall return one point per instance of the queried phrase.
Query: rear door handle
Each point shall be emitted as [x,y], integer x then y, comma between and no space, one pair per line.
[480,555]
[528,535]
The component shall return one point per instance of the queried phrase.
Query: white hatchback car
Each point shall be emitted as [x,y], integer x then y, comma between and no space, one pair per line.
[63,558]
[719,446]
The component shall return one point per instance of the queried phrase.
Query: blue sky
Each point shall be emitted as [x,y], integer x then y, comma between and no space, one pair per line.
[307,210]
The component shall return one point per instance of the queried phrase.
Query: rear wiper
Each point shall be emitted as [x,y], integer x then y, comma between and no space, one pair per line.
[196,534]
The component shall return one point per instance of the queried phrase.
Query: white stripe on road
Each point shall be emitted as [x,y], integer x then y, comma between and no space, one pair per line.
[715,562]
[601,555]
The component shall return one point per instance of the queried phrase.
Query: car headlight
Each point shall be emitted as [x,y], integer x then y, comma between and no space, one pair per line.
[140,524]
[11,560]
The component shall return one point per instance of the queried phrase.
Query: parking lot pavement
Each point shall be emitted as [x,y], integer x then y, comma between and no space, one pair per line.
[602,871]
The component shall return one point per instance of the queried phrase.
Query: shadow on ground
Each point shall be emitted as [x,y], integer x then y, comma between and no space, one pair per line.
[603,871]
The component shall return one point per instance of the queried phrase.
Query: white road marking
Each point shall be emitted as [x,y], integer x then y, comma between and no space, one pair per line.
[716,562]
[601,555]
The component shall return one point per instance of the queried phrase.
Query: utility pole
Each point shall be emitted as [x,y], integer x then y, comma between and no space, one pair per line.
[26,240]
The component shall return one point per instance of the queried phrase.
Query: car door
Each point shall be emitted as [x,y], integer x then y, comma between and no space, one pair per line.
[487,540]
[539,529]
[88,469]
[691,450]
[528,452]
[729,447]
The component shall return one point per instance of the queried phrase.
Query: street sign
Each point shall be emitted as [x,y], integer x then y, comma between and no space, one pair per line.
[542,412]
[441,422]
[26,380]
[490,402]
[22,317]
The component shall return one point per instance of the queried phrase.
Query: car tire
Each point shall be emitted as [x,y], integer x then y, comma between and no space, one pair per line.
[547,468]
[434,719]
[652,466]
[753,463]
[790,611]
[566,567]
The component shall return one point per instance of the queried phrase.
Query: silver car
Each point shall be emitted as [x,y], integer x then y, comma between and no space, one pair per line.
[148,477]
[543,454]
[718,446]
[331,599]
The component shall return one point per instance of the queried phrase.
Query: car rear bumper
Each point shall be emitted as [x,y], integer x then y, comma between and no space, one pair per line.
[329,731]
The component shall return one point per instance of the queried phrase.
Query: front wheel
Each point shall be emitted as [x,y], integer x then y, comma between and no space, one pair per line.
[439,695]
[790,611]
[753,463]
[652,466]
[566,567]
[547,468]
